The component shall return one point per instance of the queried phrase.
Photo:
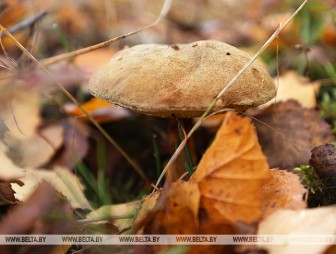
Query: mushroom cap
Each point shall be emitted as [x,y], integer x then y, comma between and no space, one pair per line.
[181,79]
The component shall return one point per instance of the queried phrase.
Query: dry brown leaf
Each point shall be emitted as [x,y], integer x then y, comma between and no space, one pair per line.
[283,191]
[231,173]
[316,221]
[293,86]
[176,220]
[301,130]
[177,206]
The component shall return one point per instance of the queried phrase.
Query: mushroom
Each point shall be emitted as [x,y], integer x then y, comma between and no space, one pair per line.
[182,79]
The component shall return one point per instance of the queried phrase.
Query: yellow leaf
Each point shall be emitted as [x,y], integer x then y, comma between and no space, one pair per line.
[296,87]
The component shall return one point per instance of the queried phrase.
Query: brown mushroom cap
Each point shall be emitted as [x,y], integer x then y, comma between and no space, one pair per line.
[181,79]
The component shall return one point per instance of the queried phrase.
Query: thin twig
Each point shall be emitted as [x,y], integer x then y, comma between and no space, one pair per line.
[71,55]
[26,23]
[233,80]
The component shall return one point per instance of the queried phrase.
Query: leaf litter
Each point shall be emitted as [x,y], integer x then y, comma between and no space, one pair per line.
[232,191]
[222,194]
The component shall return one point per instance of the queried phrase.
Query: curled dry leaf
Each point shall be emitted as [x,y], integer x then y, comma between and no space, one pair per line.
[61,179]
[232,172]
[292,86]
[309,221]
[301,130]
[284,191]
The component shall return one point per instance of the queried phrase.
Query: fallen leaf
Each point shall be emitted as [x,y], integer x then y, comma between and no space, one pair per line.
[283,191]
[186,194]
[93,60]
[213,122]
[75,145]
[40,201]
[61,179]
[316,221]
[6,194]
[329,35]
[3,130]
[232,172]
[44,212]
[120,214]
[270,22]
[330,250]
[39,148]
[64,73]
[177,205]
[287,132]
[9,170]
[146,206]
[100,110]
[21,113]
[323,160]
[176,220]
[293,86]
[12,14]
